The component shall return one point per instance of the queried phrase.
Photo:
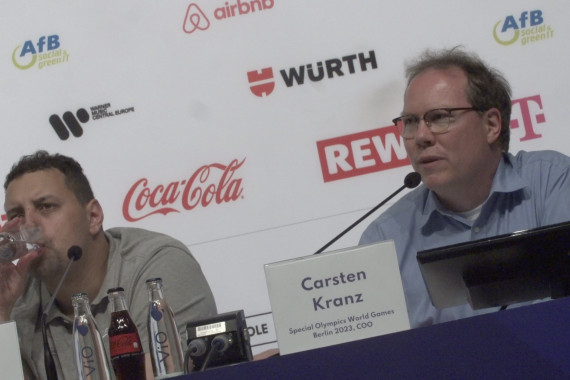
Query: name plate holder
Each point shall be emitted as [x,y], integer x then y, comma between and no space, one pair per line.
[336,297]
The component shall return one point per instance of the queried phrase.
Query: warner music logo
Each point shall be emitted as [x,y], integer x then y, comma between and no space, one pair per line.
[215,183]
[70,122]
[382,149]
[196,19]
[262,82]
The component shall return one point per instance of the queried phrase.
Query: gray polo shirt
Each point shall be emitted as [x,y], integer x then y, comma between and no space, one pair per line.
[135,255]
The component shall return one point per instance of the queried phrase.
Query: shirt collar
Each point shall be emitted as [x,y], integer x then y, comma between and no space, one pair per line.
[506,180]
[45,297]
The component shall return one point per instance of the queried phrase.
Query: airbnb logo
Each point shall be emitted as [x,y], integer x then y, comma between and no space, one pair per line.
[195,19]
[210,183]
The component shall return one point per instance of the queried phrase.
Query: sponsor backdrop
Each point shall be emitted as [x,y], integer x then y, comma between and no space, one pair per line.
[256,130]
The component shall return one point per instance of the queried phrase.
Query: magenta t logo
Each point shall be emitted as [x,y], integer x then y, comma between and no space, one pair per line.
[195,19]
[528,108]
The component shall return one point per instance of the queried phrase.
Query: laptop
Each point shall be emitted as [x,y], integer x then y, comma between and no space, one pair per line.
[503,270]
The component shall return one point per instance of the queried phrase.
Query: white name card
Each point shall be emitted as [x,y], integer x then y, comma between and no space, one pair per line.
[10,360]
[336,297]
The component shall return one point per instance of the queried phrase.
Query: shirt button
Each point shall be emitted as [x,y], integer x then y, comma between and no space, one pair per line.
[476,229]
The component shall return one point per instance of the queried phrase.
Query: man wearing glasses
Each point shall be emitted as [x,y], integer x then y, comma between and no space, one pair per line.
[455,127]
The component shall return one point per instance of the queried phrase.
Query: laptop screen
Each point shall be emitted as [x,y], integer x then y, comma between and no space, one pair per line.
[503,270]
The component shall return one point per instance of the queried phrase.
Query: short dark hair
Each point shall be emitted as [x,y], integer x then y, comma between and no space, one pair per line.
[75,180]
[487,87]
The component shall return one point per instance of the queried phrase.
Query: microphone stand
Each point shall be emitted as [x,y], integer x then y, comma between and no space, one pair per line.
[74,253]
[412,180]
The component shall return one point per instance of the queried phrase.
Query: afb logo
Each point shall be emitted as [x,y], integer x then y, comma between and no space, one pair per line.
[262,82]
[527,28]
[46,51]
[70,122]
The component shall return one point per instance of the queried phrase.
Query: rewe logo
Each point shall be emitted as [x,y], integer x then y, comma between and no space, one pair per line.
[381,149]
[262,81]
[361,153]
[196,19]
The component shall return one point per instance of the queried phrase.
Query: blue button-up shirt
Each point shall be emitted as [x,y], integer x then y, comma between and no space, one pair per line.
[529,190]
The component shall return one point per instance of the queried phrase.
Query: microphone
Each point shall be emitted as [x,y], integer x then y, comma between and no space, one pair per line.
[411,180]
[74,254]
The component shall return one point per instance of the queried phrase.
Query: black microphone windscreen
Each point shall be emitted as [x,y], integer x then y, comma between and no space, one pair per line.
[412,180]
[74,252]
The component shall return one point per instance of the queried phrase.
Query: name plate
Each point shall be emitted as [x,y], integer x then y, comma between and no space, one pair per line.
[336,297]
[10,360]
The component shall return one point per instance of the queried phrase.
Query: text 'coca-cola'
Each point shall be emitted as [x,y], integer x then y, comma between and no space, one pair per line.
[215,182]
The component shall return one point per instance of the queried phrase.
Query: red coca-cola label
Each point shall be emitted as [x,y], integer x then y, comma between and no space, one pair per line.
[216,183]
[127,343]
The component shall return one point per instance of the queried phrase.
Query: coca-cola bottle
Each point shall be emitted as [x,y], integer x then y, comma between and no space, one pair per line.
[89,352]
[164,341]
[127,355]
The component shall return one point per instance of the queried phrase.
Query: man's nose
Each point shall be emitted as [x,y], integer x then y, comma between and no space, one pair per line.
[423,133]
[29,217]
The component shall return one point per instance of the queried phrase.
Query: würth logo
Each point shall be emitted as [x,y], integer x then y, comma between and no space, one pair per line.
[262,81]
[70,123]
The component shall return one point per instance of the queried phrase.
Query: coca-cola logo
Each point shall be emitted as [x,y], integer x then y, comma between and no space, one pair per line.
[214,183]
[126,343]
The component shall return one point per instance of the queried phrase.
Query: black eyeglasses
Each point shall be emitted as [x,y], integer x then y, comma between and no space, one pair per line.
[437,120]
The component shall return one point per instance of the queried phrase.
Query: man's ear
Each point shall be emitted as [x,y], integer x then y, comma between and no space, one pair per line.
[95,215]
[492,120]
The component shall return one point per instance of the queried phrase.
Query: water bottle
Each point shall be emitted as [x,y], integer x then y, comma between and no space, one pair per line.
[89,352]
[127,355]
[164,341]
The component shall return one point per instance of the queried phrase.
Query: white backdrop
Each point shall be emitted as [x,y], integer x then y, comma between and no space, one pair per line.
[162,90]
